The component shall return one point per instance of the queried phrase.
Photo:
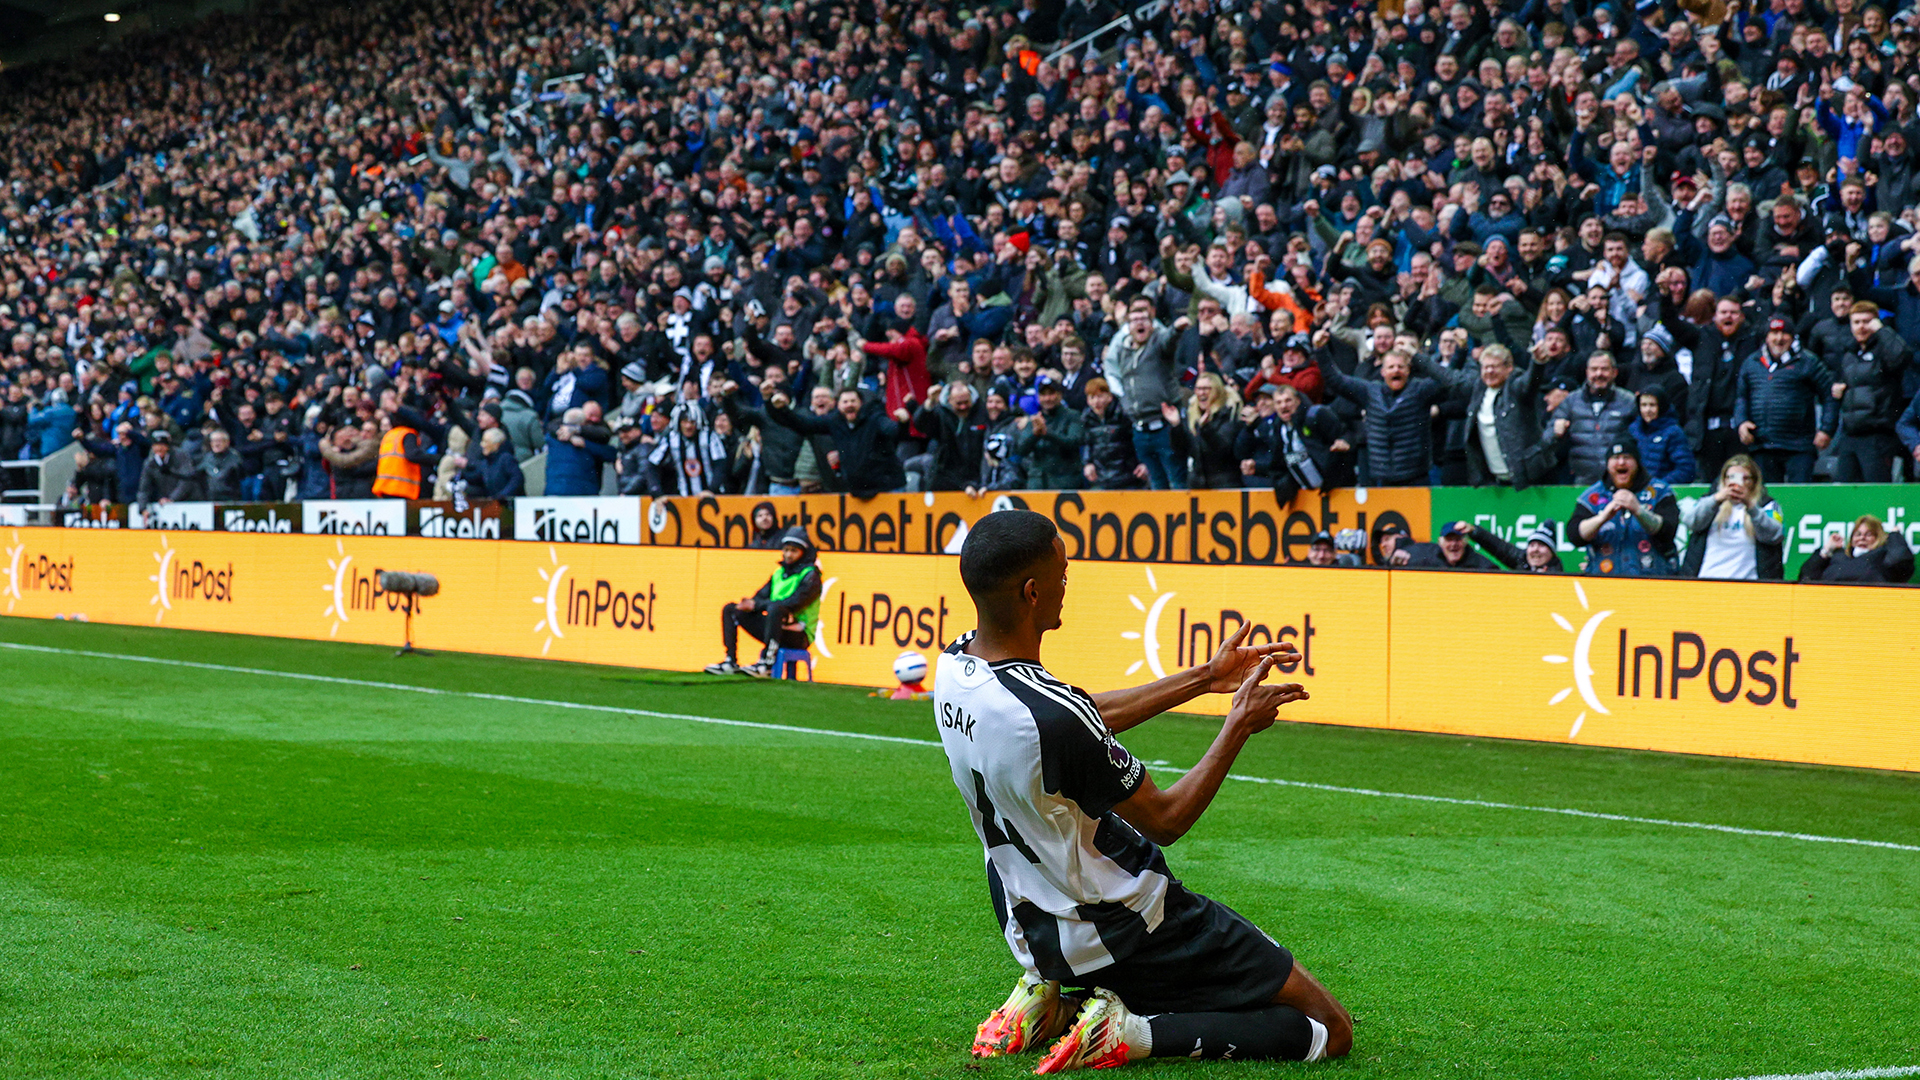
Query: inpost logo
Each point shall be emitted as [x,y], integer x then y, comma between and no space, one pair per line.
[14,551]
[161,602]
[33,573]
[1655,668]
[1196,634]
[882,619]
[340,607]
[1581,660]
[568,604]
[175,579]
[1149,633]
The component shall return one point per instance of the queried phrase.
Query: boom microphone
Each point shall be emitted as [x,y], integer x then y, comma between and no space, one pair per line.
[407,583]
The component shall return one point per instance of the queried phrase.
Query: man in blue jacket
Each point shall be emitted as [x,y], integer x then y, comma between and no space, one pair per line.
[573,460]
[1722,268]
[575,380]
[50,426]
[1908,429]
[1785,410]
[129,453]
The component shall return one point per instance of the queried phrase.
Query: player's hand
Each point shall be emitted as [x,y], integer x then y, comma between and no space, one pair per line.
[1256,705]
[1229,668]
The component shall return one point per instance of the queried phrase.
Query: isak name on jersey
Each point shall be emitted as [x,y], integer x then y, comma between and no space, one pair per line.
[952,716]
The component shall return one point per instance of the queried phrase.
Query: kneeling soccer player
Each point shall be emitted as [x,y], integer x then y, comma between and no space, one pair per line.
[1072,822]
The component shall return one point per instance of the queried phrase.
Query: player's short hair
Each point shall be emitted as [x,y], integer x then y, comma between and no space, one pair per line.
[1002,545]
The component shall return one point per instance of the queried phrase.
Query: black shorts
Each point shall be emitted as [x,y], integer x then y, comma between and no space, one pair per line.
[1204,957]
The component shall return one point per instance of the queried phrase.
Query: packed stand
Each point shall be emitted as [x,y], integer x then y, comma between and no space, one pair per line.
[399,249]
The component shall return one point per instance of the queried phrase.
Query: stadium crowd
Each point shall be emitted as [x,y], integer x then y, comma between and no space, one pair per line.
[398,248]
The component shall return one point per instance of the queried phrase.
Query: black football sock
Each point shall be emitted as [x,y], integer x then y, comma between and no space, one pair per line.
[1278,1032]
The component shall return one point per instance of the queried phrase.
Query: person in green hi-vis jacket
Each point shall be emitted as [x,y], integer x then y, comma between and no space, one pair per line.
[787,606]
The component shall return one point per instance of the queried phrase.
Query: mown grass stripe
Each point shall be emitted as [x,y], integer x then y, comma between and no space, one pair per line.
[794,729]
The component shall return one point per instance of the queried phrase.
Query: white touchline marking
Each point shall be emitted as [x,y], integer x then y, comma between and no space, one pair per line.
[622,710]
[1855,1075]
[1735,829]
[797,730]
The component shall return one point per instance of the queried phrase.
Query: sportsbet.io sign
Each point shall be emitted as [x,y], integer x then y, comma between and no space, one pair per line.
[1210,528]
[1213,528]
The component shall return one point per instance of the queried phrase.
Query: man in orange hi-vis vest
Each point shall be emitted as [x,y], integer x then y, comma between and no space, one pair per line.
[402,457]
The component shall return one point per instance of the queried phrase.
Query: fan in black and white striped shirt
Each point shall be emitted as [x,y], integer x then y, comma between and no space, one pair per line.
[1071,824]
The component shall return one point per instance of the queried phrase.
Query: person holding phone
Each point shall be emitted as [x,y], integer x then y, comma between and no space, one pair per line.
[1738,533]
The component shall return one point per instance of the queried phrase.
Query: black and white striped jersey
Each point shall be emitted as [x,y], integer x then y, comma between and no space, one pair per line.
[1075,887]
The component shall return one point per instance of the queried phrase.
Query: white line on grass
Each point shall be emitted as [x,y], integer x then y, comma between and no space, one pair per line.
[1855,1075]
[368,683]
[797,730]
[1736,830]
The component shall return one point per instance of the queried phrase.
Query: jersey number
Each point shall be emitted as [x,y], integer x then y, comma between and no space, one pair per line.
[990,826]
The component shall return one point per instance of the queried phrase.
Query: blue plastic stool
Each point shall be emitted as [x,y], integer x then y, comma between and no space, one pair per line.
[786,663]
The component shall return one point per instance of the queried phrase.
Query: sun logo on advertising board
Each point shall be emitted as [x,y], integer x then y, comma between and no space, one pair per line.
[14,551]
[820,640]
[1582,660]
[552,624]
[160,578]
[341,589]
[1149,633]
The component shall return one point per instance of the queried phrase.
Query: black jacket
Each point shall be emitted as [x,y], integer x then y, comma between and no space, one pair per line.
[957,443]
[867,459]
[1211,461]
[779,444]
[1828,337]
[1716,366]
[175,480]
[1317,428]
[1431,557]
[13,429]
[1787,401]
[221,474]
[98,481]
[494,476]
[1108,447]
[1513,556]
[1872,374]
[1665,377]
[1516,421]
[1890,562]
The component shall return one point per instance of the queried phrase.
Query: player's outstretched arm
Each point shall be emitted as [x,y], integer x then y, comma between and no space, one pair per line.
[1122,709]
[1164,815]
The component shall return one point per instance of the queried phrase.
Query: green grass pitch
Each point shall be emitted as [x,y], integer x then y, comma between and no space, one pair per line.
[208,874]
